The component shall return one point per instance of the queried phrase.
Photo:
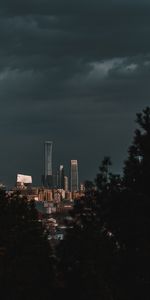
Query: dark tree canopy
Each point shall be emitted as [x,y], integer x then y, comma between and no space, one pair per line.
[24,252]
[137,166]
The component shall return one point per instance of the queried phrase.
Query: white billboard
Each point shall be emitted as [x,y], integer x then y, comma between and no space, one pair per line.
[24,178]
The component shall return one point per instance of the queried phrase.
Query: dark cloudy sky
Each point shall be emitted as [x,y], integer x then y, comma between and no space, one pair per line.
[74,72]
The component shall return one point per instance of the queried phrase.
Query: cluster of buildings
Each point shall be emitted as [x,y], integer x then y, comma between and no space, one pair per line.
[59,179]
[54,186]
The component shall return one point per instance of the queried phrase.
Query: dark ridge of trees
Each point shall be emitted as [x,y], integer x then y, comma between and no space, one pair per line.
[137,165]
[106,255]
[25,268]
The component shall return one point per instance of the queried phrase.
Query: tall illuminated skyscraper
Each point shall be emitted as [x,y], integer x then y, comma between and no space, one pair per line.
[74,184]
[48,163]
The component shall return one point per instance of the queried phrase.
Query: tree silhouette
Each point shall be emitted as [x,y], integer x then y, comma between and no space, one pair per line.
[130,213]
[102,178]
[24,252]
[137,166]
[107,252]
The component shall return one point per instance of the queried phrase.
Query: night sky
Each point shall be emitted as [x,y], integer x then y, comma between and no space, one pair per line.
[75,73]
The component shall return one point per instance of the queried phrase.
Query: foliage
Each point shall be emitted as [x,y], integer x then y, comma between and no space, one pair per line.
[106,255]
[137,166]
[24,253]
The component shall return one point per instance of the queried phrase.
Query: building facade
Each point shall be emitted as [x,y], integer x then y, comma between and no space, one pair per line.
[66,184]
[61,177]
[48,179]
[74,181]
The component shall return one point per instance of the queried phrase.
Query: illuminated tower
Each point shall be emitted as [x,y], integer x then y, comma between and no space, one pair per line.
[74,176]
[48,163]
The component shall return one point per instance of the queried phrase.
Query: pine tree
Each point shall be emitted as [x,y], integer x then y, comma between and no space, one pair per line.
[137,166]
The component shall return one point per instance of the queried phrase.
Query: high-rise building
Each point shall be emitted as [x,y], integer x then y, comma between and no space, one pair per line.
[74,185]
[66,187]
[61,177]
[56,180]
[48,164]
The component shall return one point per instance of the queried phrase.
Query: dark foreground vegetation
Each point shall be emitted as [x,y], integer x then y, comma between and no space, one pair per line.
[105,256]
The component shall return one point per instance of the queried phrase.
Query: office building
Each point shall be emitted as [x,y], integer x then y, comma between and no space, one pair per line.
[56,180]
[74,176]
[48,182]
[66,185]
[24,181]
[61,177]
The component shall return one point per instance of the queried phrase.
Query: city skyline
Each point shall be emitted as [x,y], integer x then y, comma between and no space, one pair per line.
[76,72]
[54,177]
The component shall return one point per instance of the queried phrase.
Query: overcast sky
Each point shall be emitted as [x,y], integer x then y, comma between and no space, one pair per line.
[75,73]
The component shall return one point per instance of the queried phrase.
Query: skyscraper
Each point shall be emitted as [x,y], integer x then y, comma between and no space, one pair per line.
[61,177]
[66,188]
[74,176]
[48,164]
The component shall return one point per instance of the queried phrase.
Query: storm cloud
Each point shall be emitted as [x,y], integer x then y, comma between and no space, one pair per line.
[76,73]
